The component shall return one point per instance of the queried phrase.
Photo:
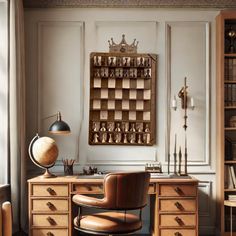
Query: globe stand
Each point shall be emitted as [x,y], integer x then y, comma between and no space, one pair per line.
[47,173]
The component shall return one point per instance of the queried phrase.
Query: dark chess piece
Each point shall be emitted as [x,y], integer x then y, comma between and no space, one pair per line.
[103,128]
[141,62]
[118,129]
[132,129]
[125,139]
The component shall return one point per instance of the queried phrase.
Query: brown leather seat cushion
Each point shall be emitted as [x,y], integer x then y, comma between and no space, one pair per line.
[109,222]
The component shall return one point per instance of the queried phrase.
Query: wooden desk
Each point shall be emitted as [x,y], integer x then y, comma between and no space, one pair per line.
[173,205]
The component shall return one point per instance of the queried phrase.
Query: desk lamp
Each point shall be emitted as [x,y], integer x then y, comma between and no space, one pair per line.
[43,151]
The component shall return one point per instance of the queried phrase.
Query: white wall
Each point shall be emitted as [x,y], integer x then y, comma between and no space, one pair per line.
[59,42]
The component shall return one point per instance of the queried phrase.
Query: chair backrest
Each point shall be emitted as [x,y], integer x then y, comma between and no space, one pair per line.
[126,191]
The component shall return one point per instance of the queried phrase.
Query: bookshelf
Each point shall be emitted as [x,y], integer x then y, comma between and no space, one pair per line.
[226,116]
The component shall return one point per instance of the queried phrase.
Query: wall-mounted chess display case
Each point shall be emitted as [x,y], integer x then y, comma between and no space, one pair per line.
[122,99]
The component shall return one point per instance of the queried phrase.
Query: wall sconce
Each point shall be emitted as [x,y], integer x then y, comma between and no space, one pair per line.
[183,95]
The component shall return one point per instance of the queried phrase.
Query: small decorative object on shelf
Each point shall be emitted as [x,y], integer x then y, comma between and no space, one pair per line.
[231,35]
[122,96]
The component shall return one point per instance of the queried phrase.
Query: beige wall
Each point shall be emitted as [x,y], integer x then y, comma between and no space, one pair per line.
[58,44]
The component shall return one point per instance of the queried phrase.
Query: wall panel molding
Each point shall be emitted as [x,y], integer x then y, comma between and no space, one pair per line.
[60,44]
[203,97]
[131,3]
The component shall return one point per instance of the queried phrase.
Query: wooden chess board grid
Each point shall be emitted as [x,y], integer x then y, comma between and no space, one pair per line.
[122,93]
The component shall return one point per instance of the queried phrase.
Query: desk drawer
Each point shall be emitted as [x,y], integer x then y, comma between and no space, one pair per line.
[50,220]
[177,190]
[50,232]
[60,190]
[177,205]
[88,188]
[178,232]
[179,220]
[50,205]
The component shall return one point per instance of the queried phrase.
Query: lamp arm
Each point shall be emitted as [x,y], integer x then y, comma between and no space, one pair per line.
[45,118]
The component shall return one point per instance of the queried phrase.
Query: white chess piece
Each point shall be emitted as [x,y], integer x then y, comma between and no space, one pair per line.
[110,140]
[95,138]
[139,139]
[125,138]
[104,137]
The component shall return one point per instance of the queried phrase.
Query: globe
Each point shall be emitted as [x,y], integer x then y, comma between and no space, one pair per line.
[43,152]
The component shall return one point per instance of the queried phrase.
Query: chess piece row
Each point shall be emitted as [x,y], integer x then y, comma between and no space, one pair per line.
[120,73]
[119,138]
[121,61]
[120,127]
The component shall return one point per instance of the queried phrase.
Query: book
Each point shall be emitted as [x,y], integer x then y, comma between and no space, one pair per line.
[232,197]
[233,175]
[229,181]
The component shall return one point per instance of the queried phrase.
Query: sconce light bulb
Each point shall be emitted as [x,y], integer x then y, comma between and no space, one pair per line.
[174,103]
[192,103]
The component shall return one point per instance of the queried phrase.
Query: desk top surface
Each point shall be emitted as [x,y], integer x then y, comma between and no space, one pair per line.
[99,179]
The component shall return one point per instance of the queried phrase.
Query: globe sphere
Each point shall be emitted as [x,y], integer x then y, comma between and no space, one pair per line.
[45,151]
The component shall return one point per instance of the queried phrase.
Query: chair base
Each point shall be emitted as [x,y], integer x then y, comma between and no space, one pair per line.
[105,233]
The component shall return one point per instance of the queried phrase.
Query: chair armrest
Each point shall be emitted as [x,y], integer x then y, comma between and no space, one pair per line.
[88,201]
[7,219]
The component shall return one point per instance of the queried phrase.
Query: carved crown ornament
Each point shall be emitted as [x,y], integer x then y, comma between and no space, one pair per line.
[123,46]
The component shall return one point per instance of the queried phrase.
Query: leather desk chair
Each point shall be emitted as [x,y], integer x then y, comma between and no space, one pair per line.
[122,192]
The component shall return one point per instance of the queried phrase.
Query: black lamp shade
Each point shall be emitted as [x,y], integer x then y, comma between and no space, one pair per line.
[59,126]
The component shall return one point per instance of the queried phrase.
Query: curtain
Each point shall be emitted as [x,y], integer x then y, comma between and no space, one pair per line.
[17,145]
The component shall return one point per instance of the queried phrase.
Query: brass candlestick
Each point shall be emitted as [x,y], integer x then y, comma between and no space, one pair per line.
[175,156]
[180,160]
[185,156]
